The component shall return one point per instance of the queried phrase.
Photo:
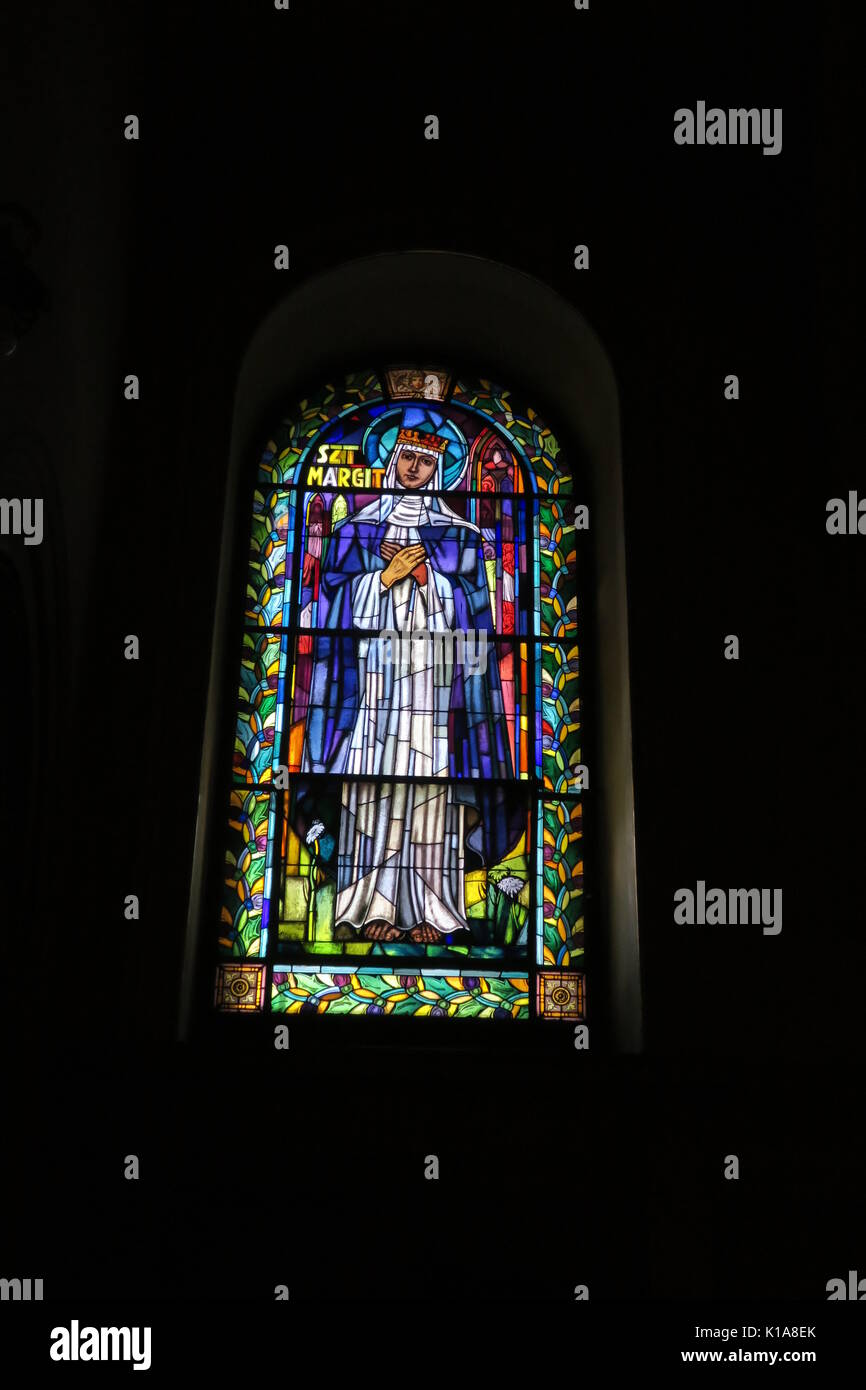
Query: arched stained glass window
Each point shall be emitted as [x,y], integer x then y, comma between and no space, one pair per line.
[405,834]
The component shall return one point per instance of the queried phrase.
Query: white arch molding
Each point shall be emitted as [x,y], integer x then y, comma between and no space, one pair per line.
[481,316]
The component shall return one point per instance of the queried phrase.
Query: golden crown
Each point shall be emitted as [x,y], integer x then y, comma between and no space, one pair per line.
[431,442]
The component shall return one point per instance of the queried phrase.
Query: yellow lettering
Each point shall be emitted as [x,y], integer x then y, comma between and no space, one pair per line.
[358,478]
[314,477]
[343,474]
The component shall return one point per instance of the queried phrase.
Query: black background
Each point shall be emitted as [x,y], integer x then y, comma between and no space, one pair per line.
[156,257]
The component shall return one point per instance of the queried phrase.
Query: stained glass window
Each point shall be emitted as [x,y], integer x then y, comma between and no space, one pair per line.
[405,828]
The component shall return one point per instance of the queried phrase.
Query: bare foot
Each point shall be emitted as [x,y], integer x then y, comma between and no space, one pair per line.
[424,934]
[381,931]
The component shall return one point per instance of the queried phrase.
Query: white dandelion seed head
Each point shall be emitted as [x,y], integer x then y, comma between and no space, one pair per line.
[315,831]
[510,885]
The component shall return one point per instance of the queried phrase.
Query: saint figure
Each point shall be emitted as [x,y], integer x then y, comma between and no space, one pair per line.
[406,714]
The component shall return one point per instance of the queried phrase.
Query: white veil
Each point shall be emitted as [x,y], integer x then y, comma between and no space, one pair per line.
[411,507]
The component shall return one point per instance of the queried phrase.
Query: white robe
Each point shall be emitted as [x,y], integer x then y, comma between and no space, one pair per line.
[402,843]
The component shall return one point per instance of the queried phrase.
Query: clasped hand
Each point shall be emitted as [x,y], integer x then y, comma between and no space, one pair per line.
[402,561]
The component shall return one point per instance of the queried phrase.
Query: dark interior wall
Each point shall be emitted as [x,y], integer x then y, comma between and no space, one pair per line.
[556,128]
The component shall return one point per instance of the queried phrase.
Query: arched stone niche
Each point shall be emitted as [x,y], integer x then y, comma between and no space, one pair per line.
[509,327]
